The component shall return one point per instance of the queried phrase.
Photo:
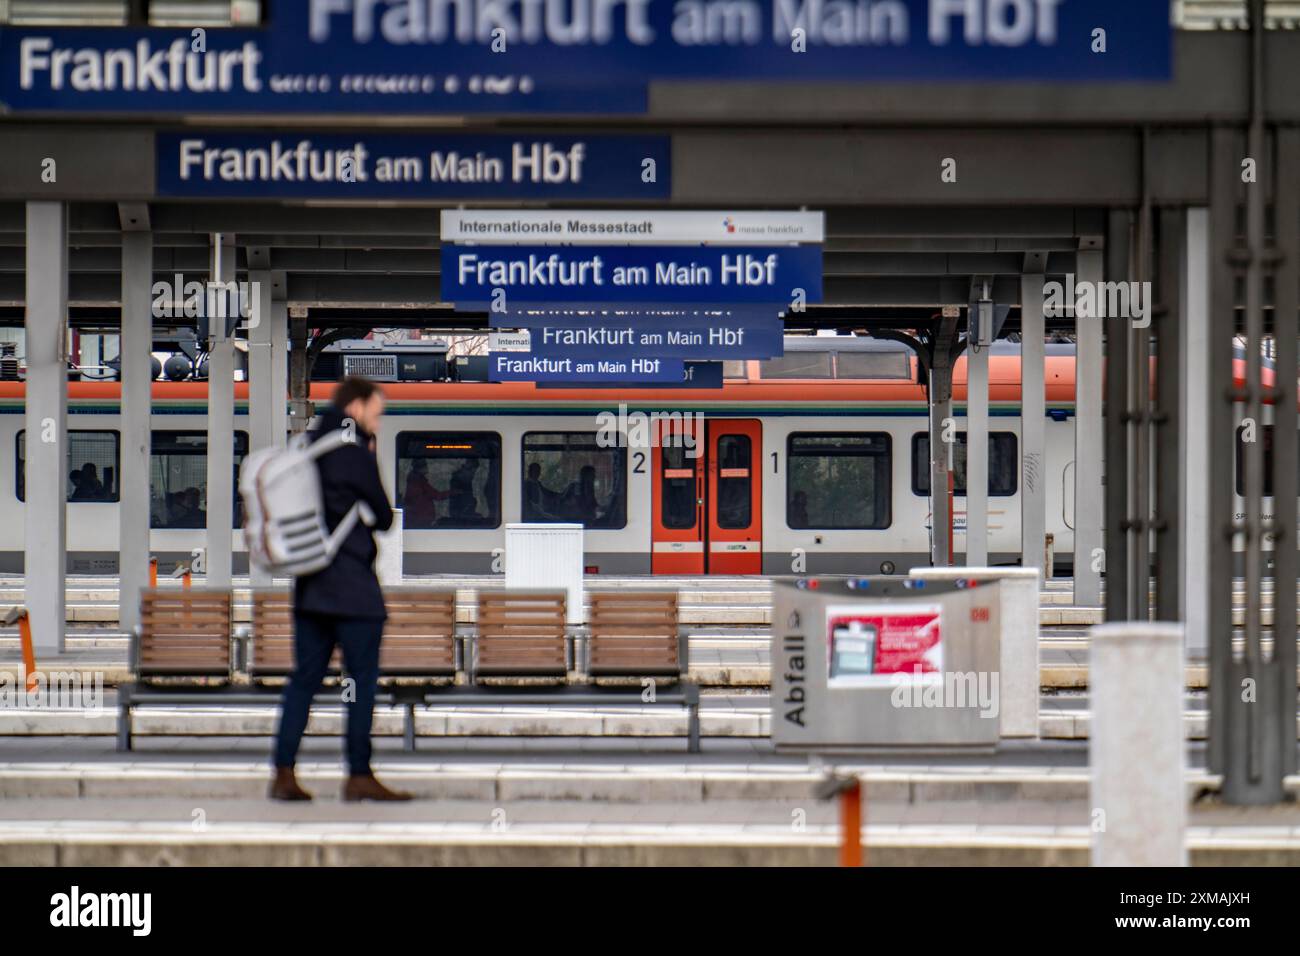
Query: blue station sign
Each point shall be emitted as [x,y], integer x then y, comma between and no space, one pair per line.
[473,275]
[724,340]
[568,56]
[696,375]
[203,164]
[523,367]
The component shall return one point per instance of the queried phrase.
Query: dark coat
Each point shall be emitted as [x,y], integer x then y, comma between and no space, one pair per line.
[348,587]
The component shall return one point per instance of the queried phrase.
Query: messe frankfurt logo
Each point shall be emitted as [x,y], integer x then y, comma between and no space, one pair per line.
[730,224]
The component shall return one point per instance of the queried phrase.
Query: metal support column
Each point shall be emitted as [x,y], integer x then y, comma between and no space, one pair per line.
[1119,603]
[261,397]
[940,460]
[279,359]
[1142,436]
[1088,443]
[1033,412]
[977,456]
[1252,695]
[1286,442]
[943,351]
[1227,718]
[136,344]
[299,375]
[261,427]
[221,427]
[1193,426]
[46,437]
[1168,451]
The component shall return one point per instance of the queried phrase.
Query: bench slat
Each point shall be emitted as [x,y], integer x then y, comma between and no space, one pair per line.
[522,633]
[634,633]
[185,632]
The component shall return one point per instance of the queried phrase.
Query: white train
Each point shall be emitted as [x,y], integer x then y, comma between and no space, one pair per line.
[816,461]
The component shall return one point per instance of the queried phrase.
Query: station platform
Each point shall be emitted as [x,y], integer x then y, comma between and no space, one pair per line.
[566,785]
[73,803]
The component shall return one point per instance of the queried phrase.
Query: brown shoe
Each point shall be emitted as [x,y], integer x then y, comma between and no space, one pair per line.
[366,787]
[285,786]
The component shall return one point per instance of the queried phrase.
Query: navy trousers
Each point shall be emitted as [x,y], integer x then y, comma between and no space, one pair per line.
[314,638]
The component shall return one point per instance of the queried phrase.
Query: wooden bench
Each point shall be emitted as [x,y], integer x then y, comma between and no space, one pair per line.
[521,634]
[183,633]
[419,635]
[635,634]
[269,647]
[524,634]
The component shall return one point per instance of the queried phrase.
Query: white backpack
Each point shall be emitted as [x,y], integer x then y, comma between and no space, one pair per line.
[284,512]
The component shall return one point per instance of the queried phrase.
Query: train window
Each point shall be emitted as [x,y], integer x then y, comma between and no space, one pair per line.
[735,483]
[839,480]
[1003,464]
[1265,435]
[873,365]
[797,365]
[677,489]
[449,479]
[92,466]
[568,476]
[178,479]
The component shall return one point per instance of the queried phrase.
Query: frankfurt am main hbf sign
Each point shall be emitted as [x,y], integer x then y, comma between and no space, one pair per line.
[462,166]
[632,297]
[567,56]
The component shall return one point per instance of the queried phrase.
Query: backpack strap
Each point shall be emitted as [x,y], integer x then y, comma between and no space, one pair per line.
[358,512]
[339,534]
[329,442]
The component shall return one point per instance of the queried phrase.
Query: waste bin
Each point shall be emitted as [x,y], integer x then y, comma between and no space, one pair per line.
[1017,640]
[884,663]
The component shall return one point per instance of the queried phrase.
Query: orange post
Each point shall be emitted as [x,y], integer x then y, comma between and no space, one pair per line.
[185,579]
[29,655]
[851,825]
[153,573]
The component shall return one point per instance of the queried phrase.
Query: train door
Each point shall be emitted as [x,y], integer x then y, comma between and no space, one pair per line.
[707,500]
[677,479]
[735,499]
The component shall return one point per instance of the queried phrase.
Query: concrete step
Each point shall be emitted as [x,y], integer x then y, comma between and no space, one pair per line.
[150,831]
[621,783]
[1063,722]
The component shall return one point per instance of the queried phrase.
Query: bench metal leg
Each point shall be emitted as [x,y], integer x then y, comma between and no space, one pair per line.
[409,729]
[124,727]
[693,727]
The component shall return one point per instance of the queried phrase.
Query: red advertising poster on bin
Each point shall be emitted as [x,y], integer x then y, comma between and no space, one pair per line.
[871,645]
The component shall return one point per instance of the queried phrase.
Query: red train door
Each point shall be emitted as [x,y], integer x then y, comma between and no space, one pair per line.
[677,492]
[707,500]
[735,497]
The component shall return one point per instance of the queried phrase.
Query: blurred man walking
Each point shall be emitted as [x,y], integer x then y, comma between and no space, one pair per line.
[342,604]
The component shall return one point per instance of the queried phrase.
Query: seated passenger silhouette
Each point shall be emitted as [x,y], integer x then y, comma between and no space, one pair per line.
[86,485]
[419,500]
[799,510]
[580,498]
[539,501]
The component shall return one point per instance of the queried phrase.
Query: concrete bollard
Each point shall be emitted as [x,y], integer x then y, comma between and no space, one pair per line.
[388,565]
[1138,745]
[1018,665]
